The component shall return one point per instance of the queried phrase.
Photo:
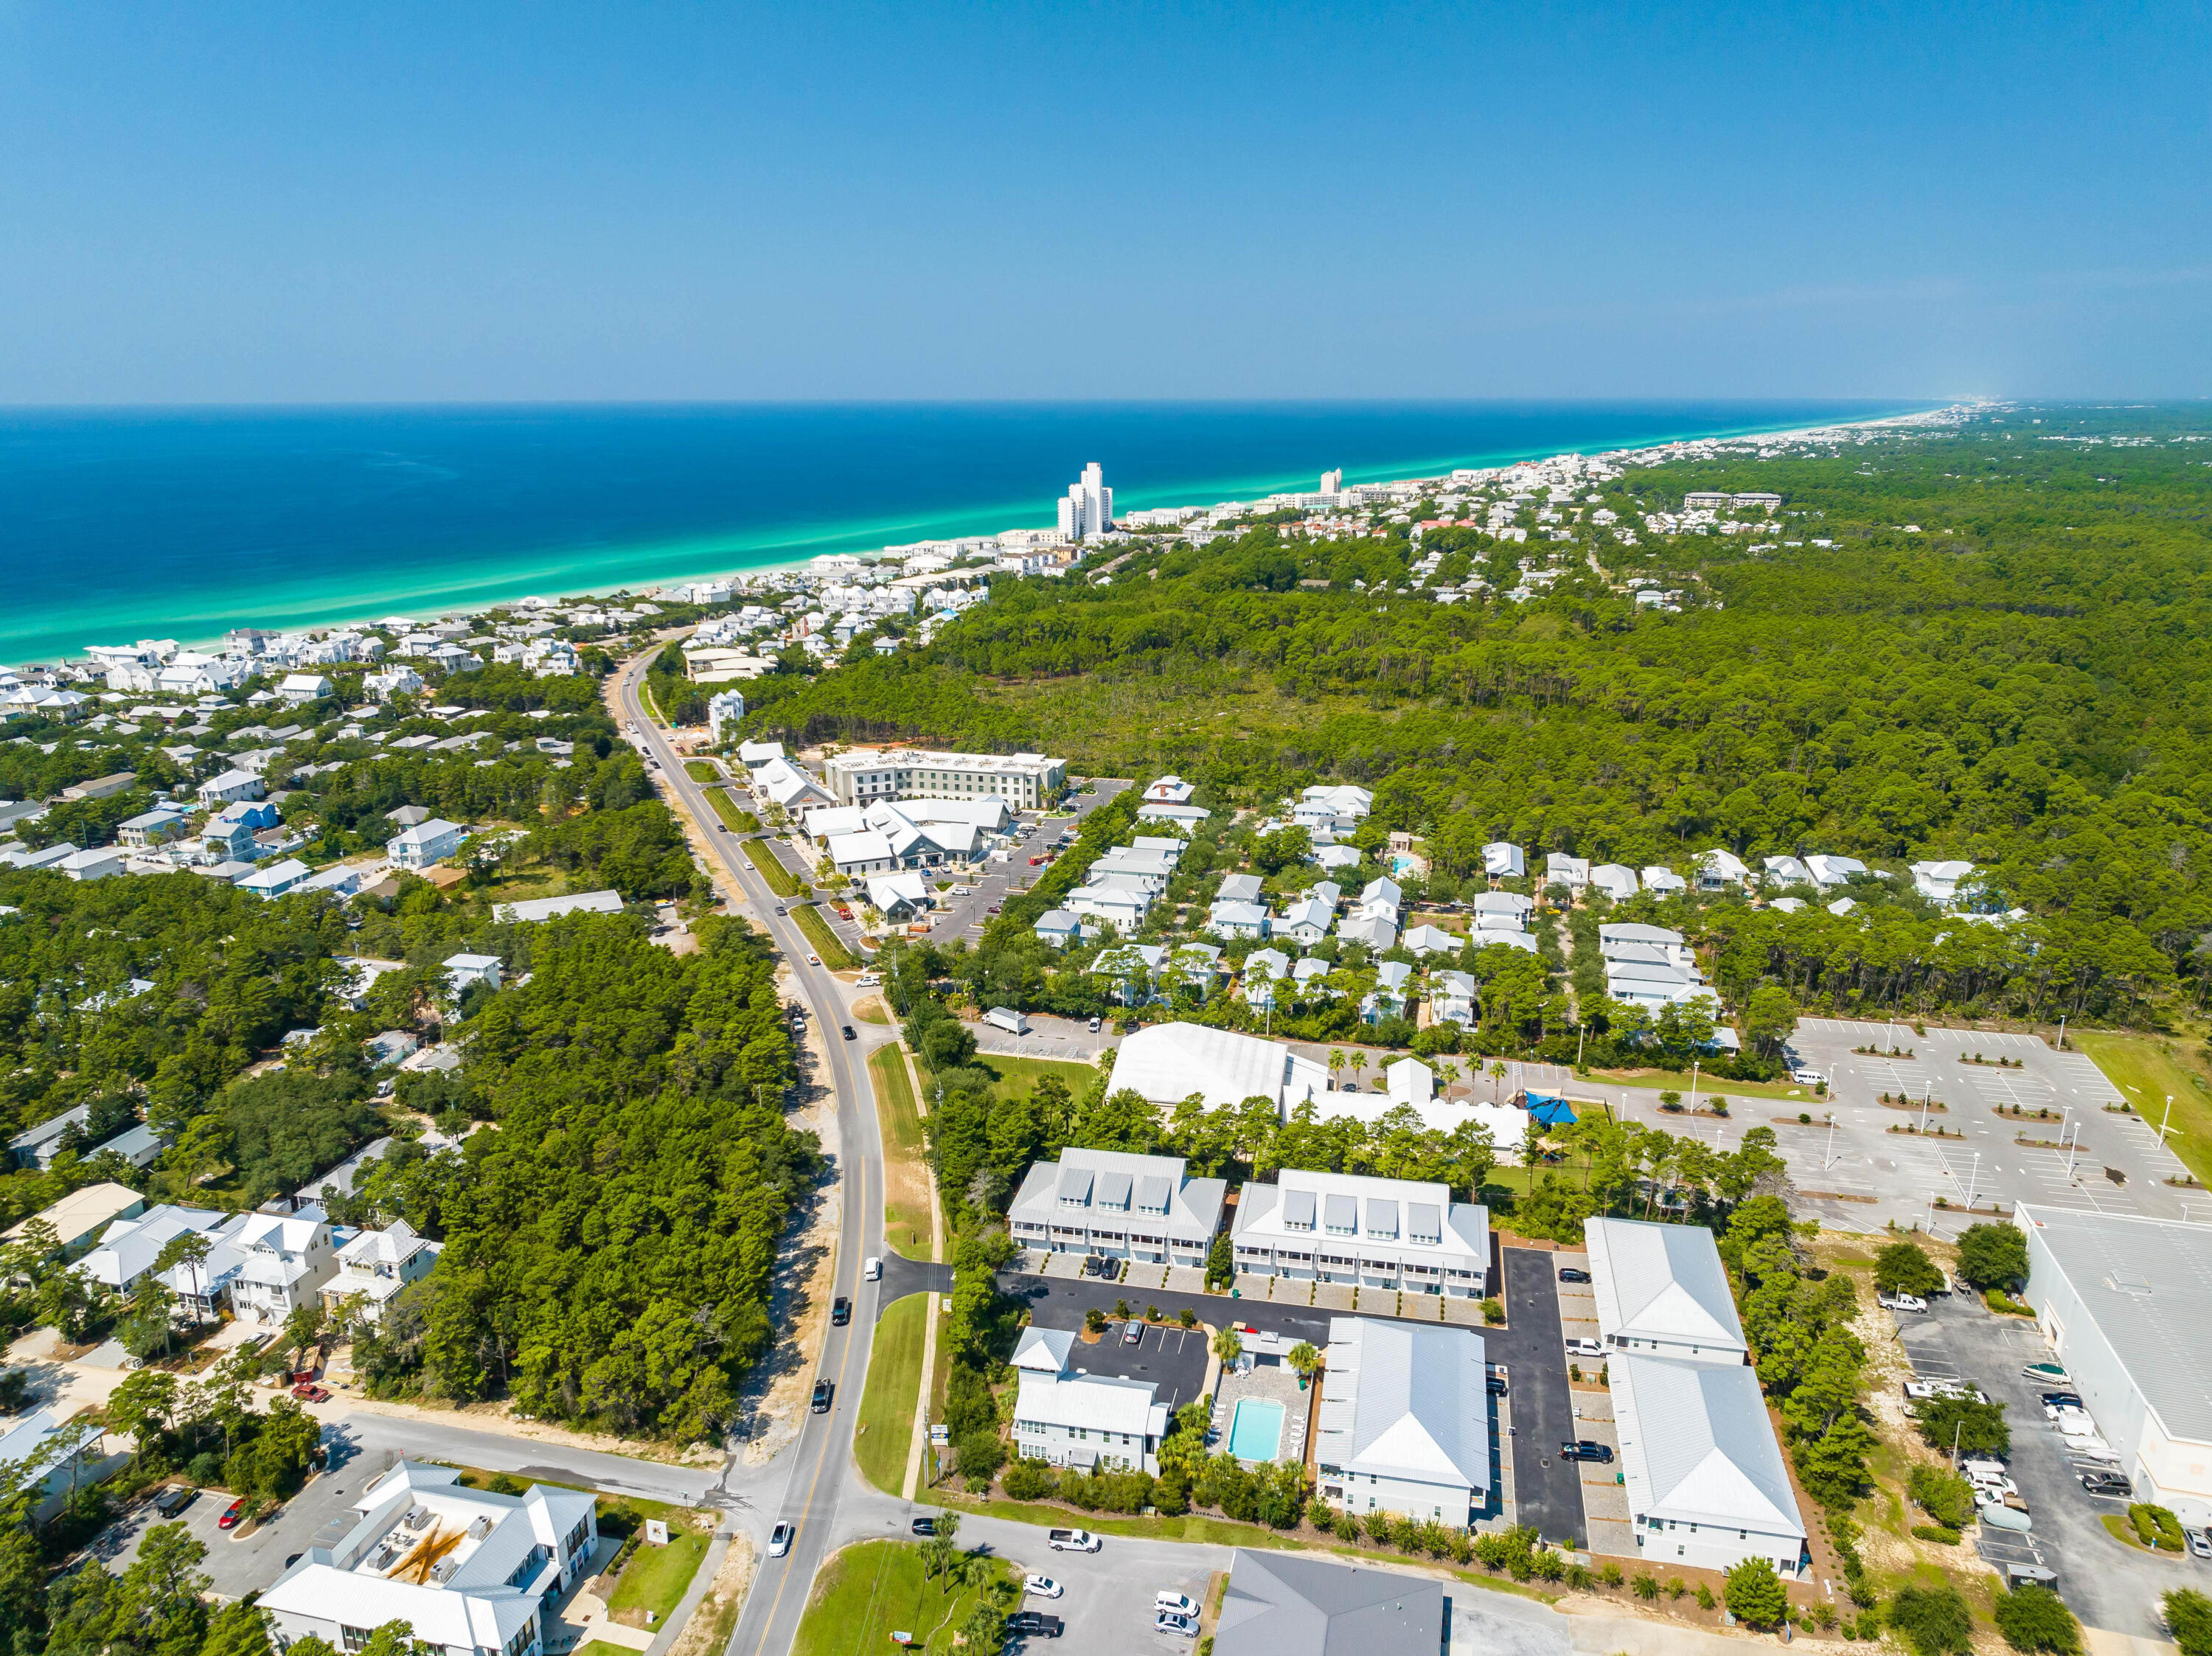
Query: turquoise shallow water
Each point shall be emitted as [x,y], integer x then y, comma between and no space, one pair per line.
[1256,1430]
[118,524]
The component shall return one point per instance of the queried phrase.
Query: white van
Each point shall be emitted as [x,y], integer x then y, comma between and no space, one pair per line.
[872,1268]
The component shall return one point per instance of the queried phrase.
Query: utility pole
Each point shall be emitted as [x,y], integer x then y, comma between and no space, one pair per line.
[1925,1099]
[1973,1181]
[2062,1032]
[1828,1156]
[2071,1153]
[1693,1086]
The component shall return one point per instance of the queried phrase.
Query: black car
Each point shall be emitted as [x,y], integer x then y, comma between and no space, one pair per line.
[2110,1484]
[1569,1274]
[1034,1623]
[1497,1384]
[173,1500]
[824,1391]
[841,1311]
[923,1526]
[2059,1399]
[780,909]
[1587,1449]
[849,1036]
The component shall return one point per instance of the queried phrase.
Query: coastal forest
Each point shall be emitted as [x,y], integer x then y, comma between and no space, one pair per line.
[1989,642]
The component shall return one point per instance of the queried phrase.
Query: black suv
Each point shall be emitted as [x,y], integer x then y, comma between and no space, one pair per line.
[1587,1449]
[1569,1274]
[824,1391]
[841,1311]
[924,1526]
[1031,1621]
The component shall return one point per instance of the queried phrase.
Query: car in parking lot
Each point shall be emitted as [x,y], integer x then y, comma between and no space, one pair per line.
[1174,1603]
[1035,1624]
[174,1499]
[2053,1399]
[1902,1301]
[1570,1274]
[824,1391]
[1585,1449]
[231,1514]
[1041,1587]
[1495,1384]
[2108,1484]
[1094,1026]
[308,1392]
[1132,1331]
[1165,1621]
[1808,1077]
[779,1538]
[2200,1543]
[1097,1264]
[841,1311]
[1585,1348]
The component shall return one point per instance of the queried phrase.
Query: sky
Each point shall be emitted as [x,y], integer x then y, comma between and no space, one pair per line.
[430,203]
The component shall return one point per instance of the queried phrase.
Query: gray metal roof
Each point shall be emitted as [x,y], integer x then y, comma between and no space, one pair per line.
[2148,1283]
[1152,1193]
[1662,1281]
[1696,1445]
[1283,1604]
[1298,1208]
[1424,1223]
[1342,1213]
[1406,1400]
[1113,1190]
[1074,1184]
[1382,1217]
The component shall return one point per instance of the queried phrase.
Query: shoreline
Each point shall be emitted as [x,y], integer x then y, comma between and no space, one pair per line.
[796,550]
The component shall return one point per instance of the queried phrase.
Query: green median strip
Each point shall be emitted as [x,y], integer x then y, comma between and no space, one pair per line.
[835,955]
[739,820]
[781,880]
[886,1428]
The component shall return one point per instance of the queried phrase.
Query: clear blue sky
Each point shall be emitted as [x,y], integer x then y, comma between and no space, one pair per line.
[293,202]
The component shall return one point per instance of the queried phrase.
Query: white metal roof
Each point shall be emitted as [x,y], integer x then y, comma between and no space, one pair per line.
[1662,1282]
[1168,1062]
[1696,1445]
[1095,1403]
[2147,1282]
[1404,1399]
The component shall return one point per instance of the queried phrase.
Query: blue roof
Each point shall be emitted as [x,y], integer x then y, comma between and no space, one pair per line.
[1551,1112]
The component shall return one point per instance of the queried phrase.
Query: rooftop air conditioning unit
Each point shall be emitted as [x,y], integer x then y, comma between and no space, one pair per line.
[415,1518]
[480,1529]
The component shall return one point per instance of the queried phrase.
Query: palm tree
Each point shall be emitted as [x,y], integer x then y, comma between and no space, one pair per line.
[1496,1080]
[1449,1071]
[1304,1360]
[1358,1064]
[1227,1345]
[1335,1063]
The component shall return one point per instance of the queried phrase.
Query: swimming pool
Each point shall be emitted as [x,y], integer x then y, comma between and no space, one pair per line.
[1256,1430]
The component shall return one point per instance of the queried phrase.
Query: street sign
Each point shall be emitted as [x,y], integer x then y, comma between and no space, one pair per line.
[656,1531]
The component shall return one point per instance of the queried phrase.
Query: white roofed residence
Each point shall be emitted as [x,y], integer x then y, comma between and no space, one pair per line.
[1572,872]
[1084,1421]
[1120,1205]
[1503,861]
[1706,1484]
[425,843]
[1380,1233]
[1718,870]
[2124,1302]
[1661,1289]
[376,1265]
[1405,1421]
[1024,780]
[1940,882]
[473,1572]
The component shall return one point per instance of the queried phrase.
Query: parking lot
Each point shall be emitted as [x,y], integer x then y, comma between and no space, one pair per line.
[2109,1584]
[967,914]
[1172,1357]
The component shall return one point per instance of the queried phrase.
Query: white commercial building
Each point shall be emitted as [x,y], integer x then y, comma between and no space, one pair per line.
[2126,1303]
[1024,780]
[1120,1205]
[473,1574]
[1168,1062]
[1405,1422]
[1662,1288]
[1706,1484]
[1375,1232]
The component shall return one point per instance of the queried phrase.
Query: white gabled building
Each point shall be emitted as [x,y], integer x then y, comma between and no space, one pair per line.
[1024,780]
[376,1265]
[1120,1205]
[1381,1233]
[1662,1289]
[1090,1422]
[1706,1484]
[473,1574]
[1405,1422]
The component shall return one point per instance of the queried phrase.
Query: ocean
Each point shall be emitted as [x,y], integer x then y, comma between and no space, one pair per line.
[119,524]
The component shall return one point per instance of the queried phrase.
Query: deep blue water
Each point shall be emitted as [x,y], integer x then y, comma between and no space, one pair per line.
[119,524]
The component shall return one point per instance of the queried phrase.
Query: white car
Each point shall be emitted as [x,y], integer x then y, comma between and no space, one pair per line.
[1585,1348]
[1174,1603]
[779,1540]
[872,1268]
[1041,1586]
[1904,1302]
[1808,1077]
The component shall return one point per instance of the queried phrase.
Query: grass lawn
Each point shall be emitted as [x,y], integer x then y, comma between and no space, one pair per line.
[781,880]
[872,1590]
[835,955]
[655,1577]
[601,1647]
[873,1010]
[2145,1069]
[740,819]
[909,1224]
[1678,1081]
[894,1387]
[1019,1076]
[702,770]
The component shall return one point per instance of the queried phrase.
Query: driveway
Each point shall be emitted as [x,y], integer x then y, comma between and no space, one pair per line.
[1172,1357]
[993,882]
[1547,1491]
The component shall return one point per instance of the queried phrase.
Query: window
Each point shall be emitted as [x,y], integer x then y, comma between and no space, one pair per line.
[352,1638]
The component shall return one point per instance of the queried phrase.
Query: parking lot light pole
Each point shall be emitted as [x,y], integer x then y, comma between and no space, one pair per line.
[2071,1153]
[1973,1182]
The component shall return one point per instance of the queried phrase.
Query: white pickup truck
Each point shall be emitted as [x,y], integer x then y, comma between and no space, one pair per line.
[1071,1540]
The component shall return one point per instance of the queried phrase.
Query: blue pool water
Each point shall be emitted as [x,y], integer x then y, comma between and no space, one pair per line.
[1256,1430]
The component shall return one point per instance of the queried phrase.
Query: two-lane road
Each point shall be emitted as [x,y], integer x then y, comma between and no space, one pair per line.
[806,1482]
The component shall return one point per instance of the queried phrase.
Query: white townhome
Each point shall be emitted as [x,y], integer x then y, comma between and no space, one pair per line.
[1706,1484]
[1122,1206]
[1086,1421]
[1405,1423]
[1662,1289]
[375,1265]
[473,1574]
[1379,1233]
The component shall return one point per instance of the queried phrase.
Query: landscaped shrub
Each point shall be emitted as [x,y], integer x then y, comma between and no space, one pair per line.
[2036,1619]
[1941,1534]
[1934,1621]
[1948,1499]
[1754,1594]
[1030,1480]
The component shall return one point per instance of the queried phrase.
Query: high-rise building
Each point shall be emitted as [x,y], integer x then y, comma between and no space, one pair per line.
[1087,509]
[1331,483]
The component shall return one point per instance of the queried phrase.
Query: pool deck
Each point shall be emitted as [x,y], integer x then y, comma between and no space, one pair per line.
[1277,1384]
